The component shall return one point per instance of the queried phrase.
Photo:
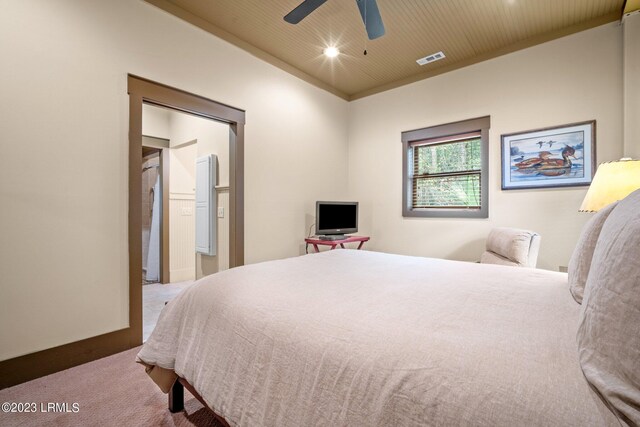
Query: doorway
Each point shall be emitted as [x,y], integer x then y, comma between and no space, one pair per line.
[145,92]
[195,218]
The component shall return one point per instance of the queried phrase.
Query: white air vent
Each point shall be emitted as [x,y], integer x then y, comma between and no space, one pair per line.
[430,58]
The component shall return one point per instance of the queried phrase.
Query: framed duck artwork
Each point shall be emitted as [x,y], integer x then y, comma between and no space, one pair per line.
[560,156]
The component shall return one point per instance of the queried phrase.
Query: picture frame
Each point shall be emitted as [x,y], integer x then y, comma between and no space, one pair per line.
[558,156]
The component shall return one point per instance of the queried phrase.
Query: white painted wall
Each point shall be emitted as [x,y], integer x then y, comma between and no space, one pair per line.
[206,265]
[191,137]
[182,208]
[155,121]
[182,237]
[64,163]
[572,79]
[211,138]
[182,159]
[631,49]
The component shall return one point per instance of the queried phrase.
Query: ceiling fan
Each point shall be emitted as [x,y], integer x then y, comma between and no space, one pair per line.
[368,10]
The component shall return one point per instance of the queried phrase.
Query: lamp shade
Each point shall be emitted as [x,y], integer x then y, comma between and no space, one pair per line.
[613,181]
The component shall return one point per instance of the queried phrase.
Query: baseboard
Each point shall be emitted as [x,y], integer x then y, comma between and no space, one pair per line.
[35,365]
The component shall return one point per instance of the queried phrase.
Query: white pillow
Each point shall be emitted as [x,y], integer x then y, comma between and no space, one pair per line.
[580,262]
[609,326]
[511,246]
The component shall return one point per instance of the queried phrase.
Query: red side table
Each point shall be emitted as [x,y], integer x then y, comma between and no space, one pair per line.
[333,243]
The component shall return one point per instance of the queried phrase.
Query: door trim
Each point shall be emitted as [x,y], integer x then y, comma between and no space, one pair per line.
[141,91]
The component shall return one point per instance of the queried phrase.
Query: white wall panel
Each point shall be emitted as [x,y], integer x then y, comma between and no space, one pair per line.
[182,257]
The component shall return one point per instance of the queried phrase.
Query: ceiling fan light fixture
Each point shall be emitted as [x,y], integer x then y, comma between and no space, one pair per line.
[331,51]
[368,11]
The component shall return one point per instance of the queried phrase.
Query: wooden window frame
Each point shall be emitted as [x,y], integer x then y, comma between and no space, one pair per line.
[445,132]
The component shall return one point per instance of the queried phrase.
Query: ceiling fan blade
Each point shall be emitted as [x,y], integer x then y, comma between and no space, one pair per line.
[302,10]
[371,18]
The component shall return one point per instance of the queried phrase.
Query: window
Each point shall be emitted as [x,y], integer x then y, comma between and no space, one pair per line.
[445,170]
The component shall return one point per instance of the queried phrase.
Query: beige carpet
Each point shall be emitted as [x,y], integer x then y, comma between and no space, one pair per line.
[114,391]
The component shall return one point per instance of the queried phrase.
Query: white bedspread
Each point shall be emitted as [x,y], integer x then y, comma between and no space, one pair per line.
[357,338]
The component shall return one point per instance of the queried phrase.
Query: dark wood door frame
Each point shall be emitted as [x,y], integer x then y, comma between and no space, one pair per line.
[24,368]
[146,91]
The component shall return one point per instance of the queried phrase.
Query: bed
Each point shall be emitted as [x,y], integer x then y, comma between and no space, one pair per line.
[359,338]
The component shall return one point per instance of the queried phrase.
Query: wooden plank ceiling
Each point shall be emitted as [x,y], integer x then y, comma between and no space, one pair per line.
[467,31]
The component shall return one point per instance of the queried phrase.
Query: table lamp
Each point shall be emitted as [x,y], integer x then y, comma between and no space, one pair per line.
[613,181]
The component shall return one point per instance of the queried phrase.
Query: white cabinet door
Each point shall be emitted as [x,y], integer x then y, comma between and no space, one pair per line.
[206,204]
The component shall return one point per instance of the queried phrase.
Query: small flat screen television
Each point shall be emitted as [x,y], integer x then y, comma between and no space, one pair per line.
[336,218]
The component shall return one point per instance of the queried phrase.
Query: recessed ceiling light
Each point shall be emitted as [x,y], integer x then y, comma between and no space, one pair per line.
[331,51]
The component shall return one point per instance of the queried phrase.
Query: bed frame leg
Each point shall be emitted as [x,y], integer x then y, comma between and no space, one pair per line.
[176,397]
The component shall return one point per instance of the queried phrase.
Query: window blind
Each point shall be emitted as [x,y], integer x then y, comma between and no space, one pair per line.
[447,172]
